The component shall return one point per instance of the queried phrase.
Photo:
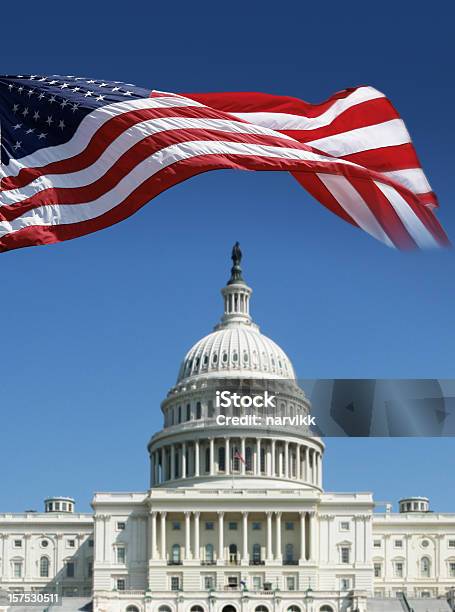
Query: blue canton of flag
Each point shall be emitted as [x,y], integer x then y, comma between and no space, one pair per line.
[39,111]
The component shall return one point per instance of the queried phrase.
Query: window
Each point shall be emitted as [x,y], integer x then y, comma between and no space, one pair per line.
[209,526]
[44,543]
[209,582]
[452,569]
[164,609]
[451,543]
[261,608]
[209,557]
[289,552]
[222,459]
[256,526]
[121,584]
[197,609]
[17,543]
[289,526]
[425,543]
[188,412]
[377,570]
[399,569]
[377,543]
[71,543]
[90,543]
[344,526]
[132,609]
[425,567]
[175,583]
[293,609]
[398,543]
[17,569]
[290,583]
[44,567]
[90,569]
[345,554]
[207,459]
[257,585]
[198,410]
[326,609]
[70,569]
[233,553]
[120,525]
[175,525]
[233,582]
[175,557]
[179,413]
[248,459]
[232,526]
[256,553]
[121,554]
[345,584]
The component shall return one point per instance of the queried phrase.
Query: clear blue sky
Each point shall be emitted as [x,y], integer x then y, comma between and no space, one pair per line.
[93,330]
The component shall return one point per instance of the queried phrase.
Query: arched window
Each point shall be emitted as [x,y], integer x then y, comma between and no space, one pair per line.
[425,567]
[294,609]
[326,608]
[222,459]
[198,410]
[233,553]
[261,609]
[256,553]
[197,609]
[207,459]
[132,609]
[44,567]
[209,553]
[262,463]
[164,609]
[175,553]
[289,552]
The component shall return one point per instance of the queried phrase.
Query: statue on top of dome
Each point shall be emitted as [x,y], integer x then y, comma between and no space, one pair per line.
[236,270]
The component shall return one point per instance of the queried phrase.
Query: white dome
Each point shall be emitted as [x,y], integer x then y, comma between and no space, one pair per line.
[237,350]
[236,347]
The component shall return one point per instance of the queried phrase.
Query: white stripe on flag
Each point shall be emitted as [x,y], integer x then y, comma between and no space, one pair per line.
[353,203]
[286,121]
[411,221]
[57,214]
[412,178]
[386,134]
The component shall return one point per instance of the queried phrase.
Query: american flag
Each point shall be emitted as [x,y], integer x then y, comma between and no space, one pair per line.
[79,154]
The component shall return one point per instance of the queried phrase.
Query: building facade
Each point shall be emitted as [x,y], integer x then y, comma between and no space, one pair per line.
[236,518]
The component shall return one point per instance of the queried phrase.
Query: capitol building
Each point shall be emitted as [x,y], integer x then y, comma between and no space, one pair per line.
[236,518]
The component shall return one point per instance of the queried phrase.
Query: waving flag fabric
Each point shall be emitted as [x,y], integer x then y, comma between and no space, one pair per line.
[81,154]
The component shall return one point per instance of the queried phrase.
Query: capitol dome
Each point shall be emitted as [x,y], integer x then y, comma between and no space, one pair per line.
[236,347]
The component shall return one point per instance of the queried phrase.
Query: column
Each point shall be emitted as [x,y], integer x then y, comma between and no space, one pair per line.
[212,457]
[273,457]
[258,456]
[196,458]
[196,535]
[172,451]
[269,552]
[297,461]
[286,459]
[242,463]
[183,472]
[302,537]
[306,464]
[163,464]
[221,538]
[312,536]
[280,462]
[227,457]
[245,537]
[268,459]
[152,554]
[187,536]
[163,536]
[278,555]
[152,469]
